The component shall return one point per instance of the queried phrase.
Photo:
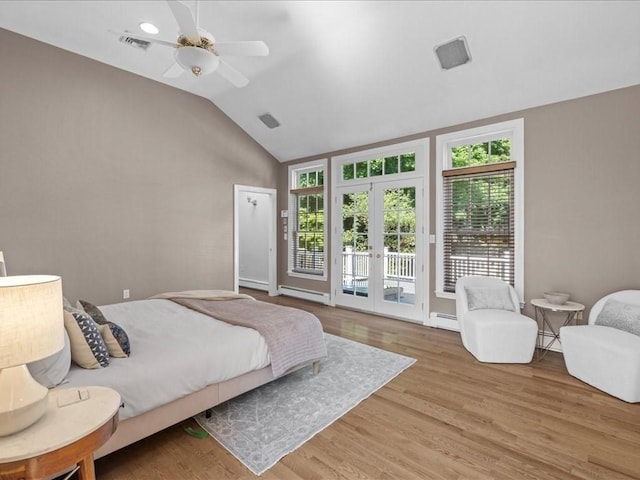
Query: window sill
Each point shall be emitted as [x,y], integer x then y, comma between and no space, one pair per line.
[320,278]
[448,295]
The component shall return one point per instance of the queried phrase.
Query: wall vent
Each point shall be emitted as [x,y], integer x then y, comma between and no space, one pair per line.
[135,42]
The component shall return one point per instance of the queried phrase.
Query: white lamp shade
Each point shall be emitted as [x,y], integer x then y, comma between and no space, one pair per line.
[190,57]
[31,318]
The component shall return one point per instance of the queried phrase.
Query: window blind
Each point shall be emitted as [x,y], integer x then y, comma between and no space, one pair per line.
[478,223]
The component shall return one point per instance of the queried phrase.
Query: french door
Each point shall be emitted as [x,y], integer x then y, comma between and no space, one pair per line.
[379,245]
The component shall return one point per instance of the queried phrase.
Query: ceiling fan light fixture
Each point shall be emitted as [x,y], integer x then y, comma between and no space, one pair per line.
[197,60]
[149,28]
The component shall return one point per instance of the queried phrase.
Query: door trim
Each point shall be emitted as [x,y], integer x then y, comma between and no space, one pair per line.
[422,150]
[273,254]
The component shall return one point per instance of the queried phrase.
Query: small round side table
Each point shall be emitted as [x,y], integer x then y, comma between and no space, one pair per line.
[542,307]
[77,422]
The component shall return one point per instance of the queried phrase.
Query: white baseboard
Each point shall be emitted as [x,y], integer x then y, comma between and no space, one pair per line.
[304,294]
[255,284]
[444,321]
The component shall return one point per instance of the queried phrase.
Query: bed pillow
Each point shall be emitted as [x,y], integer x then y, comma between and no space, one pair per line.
[51,371]
[110,340]
[66,304]
[117,333]
[480,298]
[620,315]
[88,349]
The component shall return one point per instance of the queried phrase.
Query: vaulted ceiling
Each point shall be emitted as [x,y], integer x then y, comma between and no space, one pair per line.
[343,74]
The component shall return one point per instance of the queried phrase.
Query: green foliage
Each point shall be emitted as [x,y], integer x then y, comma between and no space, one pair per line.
[380,166]
[399,220]
[481,203]
[310,179]
[481,153]
[310,228]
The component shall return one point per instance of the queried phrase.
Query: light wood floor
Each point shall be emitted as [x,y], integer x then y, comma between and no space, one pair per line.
[446,417]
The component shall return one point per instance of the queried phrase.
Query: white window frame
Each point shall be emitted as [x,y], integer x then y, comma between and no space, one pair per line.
[512,129]
[419,147]
[293,172]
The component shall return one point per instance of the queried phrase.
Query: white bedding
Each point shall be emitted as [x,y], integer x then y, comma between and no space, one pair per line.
[174,351]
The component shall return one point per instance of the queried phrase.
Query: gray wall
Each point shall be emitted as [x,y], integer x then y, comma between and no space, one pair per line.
[582,198]
[114,181]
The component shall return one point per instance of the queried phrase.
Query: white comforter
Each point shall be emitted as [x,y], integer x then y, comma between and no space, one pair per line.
[174,351]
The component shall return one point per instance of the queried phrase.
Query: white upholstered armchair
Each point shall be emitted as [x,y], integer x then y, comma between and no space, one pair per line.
[606,352]
[491,326]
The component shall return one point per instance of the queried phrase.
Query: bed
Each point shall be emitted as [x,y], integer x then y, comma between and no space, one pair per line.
[184,361]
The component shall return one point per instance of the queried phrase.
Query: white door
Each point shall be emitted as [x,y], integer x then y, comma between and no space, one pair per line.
[380,240]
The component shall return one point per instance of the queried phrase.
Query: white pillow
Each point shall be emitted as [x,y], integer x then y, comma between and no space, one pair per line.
[497,298]
[51,371]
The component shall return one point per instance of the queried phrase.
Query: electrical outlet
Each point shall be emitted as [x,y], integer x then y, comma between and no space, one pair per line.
[125,293]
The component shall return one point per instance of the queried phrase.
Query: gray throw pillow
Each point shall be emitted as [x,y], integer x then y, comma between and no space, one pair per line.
[620,315]
[481,298]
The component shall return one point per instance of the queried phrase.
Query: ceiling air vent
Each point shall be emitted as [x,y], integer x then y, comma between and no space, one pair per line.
[453,53]
[135,43]
[269,120]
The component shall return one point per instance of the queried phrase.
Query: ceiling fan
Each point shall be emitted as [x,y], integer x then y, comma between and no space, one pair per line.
[198,52]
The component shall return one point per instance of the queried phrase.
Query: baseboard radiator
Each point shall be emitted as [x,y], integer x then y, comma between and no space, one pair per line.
[304,294]
[444,321]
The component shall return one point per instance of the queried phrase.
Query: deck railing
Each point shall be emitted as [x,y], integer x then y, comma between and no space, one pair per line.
[396,265]
[355,265]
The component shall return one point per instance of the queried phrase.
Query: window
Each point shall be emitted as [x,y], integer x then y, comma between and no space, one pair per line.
[376,167]
[307,219]
[480,211]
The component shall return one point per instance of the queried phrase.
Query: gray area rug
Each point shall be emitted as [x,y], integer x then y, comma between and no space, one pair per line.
[262,426]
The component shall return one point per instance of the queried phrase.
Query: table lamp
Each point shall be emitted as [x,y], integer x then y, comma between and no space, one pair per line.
[31,328]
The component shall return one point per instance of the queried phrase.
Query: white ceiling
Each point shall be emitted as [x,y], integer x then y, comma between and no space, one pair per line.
[344,74]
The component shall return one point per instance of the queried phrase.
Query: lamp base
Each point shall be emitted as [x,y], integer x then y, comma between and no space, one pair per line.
[22,400]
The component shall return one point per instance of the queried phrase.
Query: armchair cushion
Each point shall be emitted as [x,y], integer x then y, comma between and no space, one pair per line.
[620,315]
[494,297]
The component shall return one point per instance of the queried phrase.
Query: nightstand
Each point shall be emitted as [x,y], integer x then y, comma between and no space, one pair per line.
[78,421]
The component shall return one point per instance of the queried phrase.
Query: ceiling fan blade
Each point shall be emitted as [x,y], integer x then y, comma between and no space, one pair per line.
[174,71]
[183,16]
[242,49]
[145,39]
[234,76]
